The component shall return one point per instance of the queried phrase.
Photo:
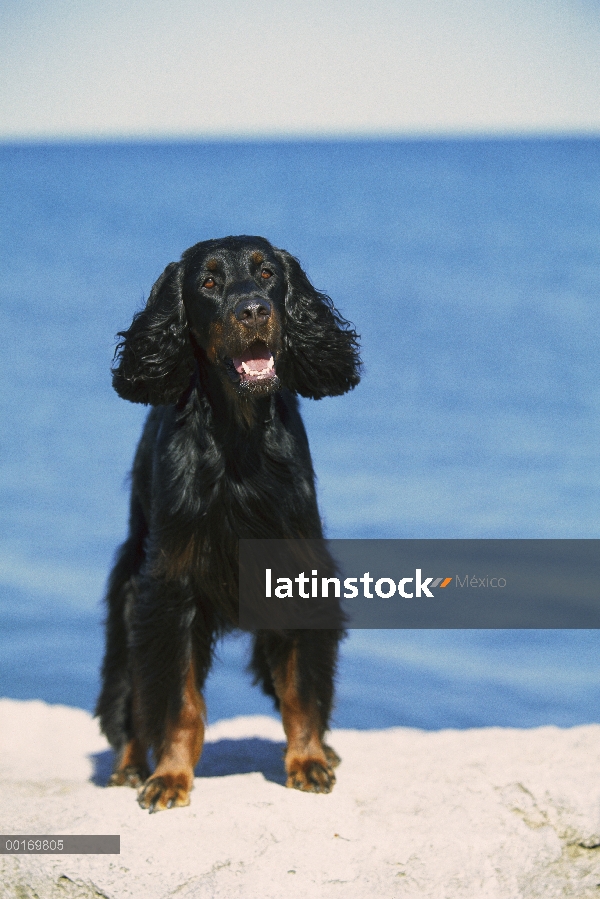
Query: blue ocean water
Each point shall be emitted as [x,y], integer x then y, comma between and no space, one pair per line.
[471,270]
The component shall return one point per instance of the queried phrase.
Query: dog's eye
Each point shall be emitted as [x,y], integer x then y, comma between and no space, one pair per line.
[209,283]
[266,273]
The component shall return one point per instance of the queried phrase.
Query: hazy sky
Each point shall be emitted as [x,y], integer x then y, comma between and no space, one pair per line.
[272,67]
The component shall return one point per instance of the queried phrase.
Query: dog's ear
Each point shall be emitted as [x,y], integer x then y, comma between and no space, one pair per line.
[154,361]
[321,348]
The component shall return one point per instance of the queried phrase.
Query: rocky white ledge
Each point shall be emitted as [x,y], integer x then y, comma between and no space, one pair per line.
[478,813]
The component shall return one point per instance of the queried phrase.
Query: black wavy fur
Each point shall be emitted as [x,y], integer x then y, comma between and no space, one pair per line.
[222,456]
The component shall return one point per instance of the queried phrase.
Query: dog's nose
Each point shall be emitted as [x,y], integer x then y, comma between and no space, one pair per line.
[252,311]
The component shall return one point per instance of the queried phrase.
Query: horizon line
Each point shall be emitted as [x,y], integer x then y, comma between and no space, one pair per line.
[242,137]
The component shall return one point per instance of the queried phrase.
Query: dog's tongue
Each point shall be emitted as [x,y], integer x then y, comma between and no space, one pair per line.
[256,361]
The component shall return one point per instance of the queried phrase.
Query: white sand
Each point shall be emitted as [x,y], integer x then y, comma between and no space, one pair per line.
[479,813]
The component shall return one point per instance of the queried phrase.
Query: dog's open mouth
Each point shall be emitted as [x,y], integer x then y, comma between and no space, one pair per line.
[255,364]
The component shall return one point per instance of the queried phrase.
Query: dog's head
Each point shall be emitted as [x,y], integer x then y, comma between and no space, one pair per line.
[247,310]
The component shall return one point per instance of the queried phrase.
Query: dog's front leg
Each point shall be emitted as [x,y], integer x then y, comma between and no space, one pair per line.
[303,682]
[172,781]
[167,678]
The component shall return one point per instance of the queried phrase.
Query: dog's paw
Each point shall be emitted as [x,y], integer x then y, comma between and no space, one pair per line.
[166,791]
[129,776]
[310,775]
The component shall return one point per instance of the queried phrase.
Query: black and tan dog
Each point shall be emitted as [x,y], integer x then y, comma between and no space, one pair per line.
[228,337]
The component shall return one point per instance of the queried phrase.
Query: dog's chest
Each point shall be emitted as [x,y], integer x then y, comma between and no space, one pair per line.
[253,495]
